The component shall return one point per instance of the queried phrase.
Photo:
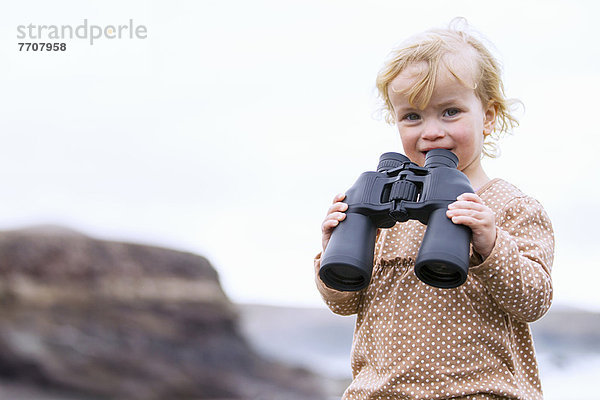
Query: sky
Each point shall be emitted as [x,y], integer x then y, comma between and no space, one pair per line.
[227,129]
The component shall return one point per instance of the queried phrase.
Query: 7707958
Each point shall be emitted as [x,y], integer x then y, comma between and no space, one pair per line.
[42,46]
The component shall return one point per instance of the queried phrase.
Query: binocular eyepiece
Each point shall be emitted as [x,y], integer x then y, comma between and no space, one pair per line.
[398,191]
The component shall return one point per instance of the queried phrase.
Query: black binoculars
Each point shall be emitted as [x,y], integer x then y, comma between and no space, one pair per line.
[398,191]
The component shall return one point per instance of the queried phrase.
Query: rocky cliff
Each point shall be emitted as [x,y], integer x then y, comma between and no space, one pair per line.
[111,320]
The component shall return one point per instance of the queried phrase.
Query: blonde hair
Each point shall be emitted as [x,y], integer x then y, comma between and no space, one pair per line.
[436,47]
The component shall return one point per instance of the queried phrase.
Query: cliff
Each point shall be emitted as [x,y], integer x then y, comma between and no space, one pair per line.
[110,320]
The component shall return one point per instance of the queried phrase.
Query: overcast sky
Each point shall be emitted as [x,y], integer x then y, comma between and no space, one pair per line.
[229,128]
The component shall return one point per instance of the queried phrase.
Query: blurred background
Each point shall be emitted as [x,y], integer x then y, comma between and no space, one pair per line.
[227,131]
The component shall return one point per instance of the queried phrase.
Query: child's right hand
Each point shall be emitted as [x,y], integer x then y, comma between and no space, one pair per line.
[333,218]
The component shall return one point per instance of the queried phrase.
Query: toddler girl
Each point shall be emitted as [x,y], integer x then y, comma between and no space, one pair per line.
[442,89]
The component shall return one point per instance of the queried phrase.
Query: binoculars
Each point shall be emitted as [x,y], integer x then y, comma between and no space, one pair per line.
[398,191]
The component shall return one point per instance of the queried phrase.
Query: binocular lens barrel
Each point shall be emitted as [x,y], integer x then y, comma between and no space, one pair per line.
[440,158]
[443,258]
[348,261]
[391,160]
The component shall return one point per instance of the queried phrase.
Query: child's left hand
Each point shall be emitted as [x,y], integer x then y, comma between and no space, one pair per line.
[469,210]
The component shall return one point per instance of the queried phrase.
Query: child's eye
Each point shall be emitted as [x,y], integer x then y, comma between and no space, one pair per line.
[411,117]
[451,112]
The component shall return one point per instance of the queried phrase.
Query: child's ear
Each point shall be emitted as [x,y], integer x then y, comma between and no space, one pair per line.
[489,114]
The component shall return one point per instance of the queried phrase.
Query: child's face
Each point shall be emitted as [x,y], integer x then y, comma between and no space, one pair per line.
[454,118]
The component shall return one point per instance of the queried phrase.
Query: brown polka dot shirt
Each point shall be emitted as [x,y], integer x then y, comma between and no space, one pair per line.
[415,341]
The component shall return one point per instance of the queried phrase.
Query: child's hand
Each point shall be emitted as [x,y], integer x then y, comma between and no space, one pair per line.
[469,210]
[333,218]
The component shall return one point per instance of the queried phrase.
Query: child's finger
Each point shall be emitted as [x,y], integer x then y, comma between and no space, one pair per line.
[340,207]
[470,197]
[468,205]
[328,225]
[464,220]
[332,220]
[339,197]
[337,216]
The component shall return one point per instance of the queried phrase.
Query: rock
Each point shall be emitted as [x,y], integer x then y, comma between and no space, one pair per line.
[126,321]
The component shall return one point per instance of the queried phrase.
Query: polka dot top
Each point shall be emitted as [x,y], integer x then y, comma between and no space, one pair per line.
[415,341]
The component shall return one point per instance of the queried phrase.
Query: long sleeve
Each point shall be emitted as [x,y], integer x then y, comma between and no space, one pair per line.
[517,272]
[342,303]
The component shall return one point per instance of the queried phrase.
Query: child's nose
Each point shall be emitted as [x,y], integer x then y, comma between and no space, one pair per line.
[432,130]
